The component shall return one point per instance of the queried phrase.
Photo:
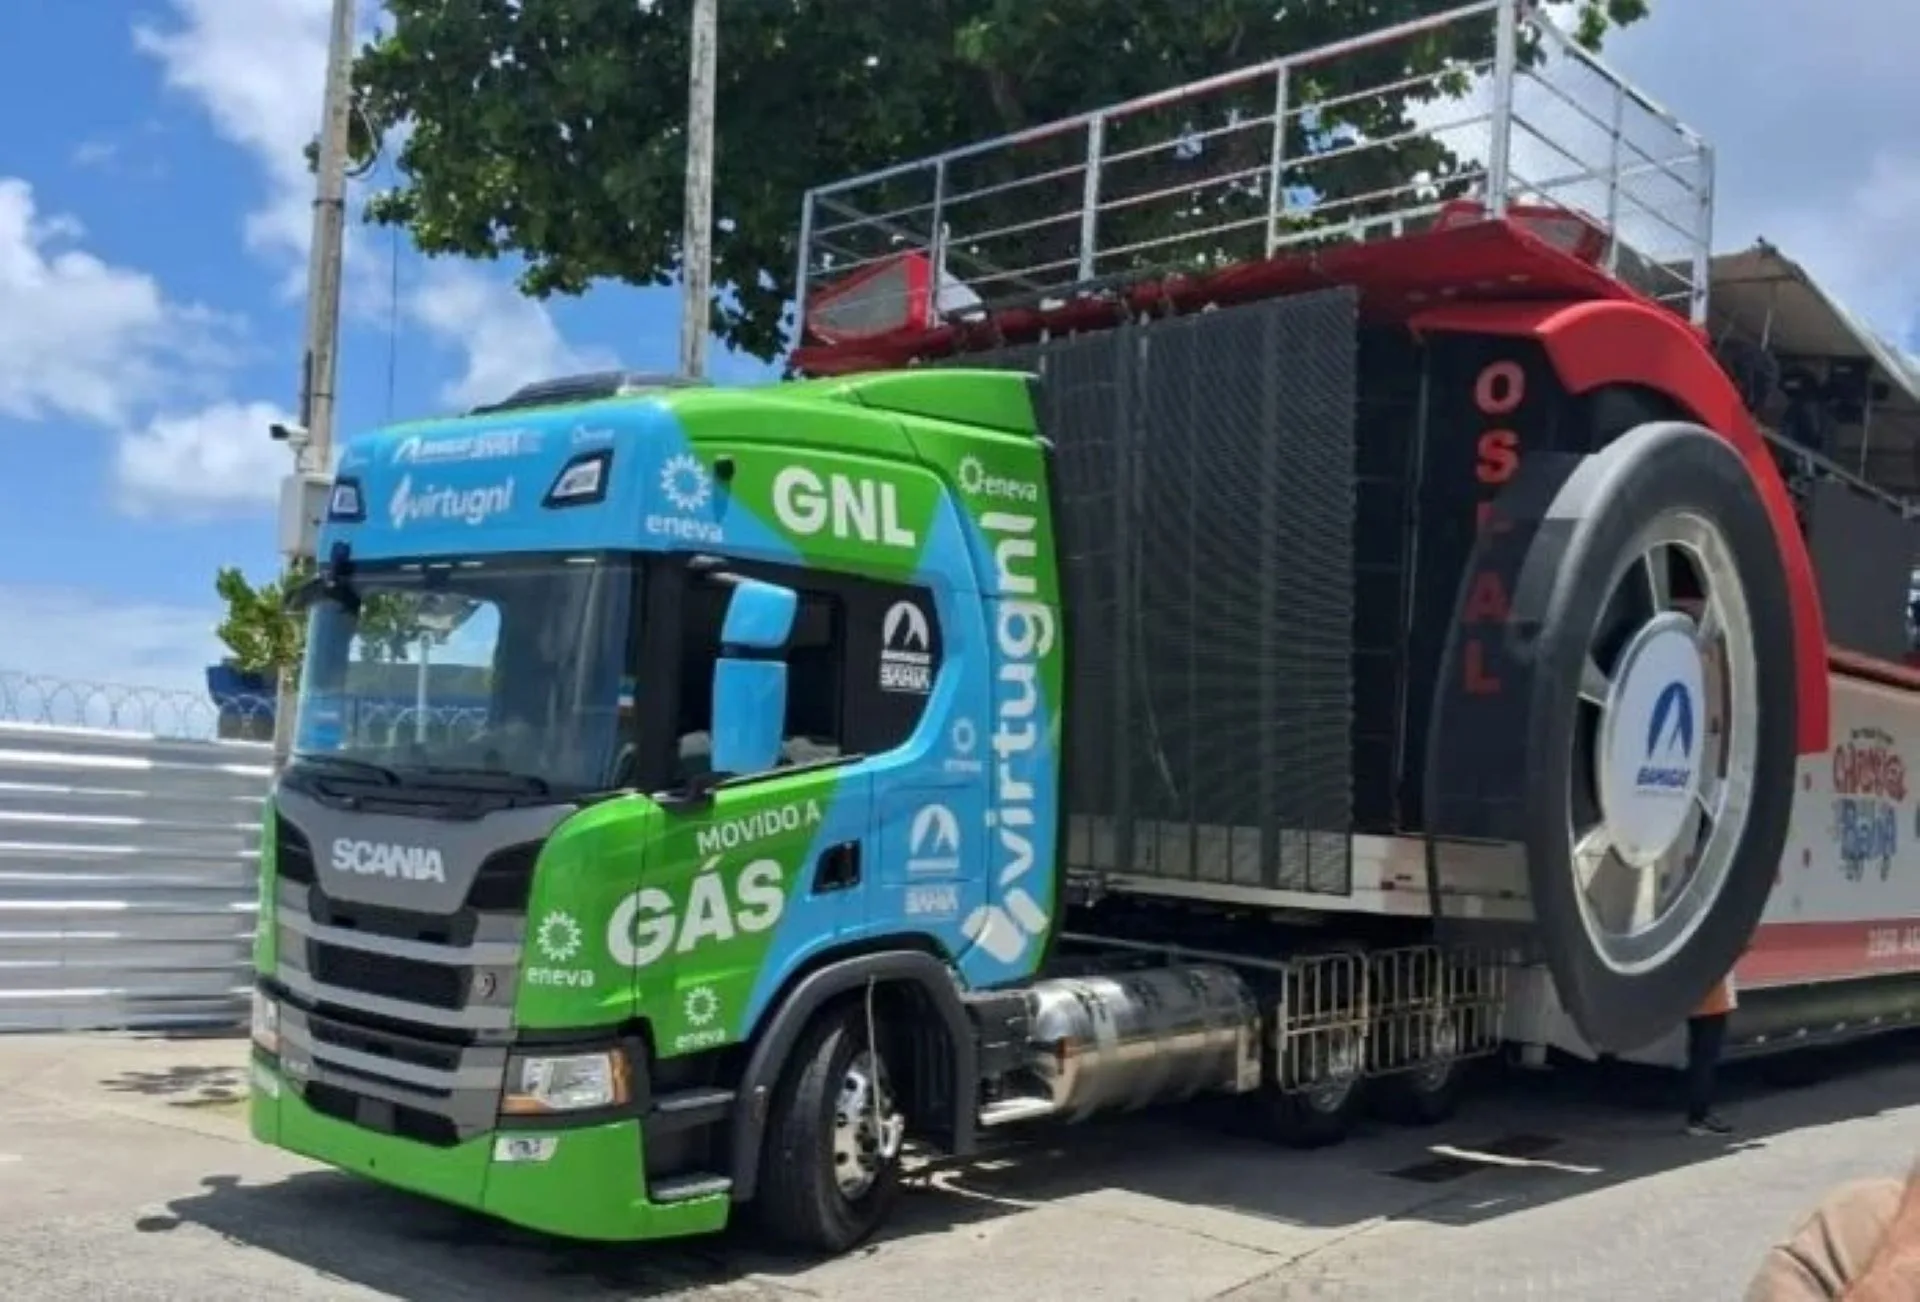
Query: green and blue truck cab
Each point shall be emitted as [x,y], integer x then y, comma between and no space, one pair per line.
[662,759]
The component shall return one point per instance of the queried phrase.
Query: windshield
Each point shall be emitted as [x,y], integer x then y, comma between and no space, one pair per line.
[510,666]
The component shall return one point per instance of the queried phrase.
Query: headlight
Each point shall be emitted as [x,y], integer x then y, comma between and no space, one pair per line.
[574,1083]
[266,1023]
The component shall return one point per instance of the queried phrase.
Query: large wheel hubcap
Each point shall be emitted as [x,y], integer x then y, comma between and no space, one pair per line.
[1663,769]
[867,1127]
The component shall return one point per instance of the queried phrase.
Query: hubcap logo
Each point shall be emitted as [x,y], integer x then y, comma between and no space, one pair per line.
[1650,752]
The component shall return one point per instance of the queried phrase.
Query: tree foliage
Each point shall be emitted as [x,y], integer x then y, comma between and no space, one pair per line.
[262,636]
[554,129]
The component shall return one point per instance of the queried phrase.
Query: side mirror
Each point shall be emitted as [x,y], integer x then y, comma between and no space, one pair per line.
[759,616]
[749,684]
[303,594]
[749,714]
[331,580]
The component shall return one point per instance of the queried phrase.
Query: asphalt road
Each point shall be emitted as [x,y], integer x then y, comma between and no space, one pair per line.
[126,1172]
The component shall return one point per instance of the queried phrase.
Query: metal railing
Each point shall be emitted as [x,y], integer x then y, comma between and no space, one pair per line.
[1333,145]
[1374,1014]
[129,857]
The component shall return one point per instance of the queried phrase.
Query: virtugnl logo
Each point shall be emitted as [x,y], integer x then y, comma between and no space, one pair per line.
[451,505]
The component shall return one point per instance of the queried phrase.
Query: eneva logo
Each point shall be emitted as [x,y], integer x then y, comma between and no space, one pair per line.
[859,510]
[1025,633]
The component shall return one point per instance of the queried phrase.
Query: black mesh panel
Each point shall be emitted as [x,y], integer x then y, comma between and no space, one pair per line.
[1206,489]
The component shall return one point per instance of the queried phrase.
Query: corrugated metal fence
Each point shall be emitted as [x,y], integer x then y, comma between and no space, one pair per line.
[129,848]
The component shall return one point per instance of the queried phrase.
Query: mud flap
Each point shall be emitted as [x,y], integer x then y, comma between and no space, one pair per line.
[1568,713]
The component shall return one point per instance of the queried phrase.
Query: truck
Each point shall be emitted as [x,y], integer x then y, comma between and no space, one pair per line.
[1201,619]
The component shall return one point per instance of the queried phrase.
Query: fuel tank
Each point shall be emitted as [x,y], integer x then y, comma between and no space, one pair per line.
[1117,1042]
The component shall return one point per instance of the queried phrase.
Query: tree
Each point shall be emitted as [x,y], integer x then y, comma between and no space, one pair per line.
[263,637]
[552,129]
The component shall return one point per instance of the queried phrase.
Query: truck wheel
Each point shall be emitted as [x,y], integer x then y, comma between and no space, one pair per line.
[1430,1093]
[1320,1114]
[832,1167]
[1661,727]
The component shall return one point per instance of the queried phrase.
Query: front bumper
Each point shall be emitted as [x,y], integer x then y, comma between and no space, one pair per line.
[586,1184]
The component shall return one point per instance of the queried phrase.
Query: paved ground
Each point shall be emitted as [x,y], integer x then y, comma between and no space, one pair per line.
[125,1172]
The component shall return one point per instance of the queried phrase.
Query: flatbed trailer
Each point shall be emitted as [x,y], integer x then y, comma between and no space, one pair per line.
[1276,589]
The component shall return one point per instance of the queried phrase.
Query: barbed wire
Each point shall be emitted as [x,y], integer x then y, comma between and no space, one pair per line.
[49,701]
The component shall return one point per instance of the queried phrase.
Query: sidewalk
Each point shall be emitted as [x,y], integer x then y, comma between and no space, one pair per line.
[194,1083]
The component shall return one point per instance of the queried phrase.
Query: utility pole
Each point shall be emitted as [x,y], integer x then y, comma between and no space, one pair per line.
[303,494]
[696,245]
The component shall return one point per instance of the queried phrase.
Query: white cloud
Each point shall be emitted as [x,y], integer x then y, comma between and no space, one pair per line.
[79,337]
[61,635]
[1811,120]
[87,341]
[509,339]
[258,68]
[214,461]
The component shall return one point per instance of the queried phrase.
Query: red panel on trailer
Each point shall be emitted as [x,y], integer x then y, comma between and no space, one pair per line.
[1628,341]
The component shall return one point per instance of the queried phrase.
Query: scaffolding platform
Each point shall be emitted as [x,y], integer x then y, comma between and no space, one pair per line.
[1270,178]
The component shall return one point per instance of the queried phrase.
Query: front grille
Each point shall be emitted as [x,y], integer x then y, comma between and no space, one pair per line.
[292,853]
[377,1114]
[386,1045]
[433,984]
[398,924]
[505,881]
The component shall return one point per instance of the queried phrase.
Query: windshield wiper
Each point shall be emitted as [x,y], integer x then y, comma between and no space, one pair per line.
[497,777]
[350,764]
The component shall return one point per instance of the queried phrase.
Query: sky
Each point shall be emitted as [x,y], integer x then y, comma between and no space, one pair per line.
[154,211]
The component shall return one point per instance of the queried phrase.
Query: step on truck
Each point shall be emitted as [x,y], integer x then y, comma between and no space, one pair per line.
[1278,590]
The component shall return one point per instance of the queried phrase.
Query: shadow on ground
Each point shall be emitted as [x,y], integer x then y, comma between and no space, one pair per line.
[1565,1135]
[187,1085]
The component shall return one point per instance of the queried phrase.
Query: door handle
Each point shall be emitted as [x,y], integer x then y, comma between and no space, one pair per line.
[838,869]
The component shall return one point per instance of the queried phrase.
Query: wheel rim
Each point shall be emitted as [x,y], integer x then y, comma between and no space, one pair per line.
[867,1128]
[1662,778]
[1342,1068]
[1443,1045]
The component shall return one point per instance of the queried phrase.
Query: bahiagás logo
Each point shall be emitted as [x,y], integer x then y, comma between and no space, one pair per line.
[1653,738]
[906,650]
[470,506]
[1669,751]
[933,843]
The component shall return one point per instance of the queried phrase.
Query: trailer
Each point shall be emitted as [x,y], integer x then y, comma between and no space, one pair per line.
[1280,589]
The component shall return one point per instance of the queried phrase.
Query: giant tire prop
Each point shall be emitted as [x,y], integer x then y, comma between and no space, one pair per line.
[1653,611]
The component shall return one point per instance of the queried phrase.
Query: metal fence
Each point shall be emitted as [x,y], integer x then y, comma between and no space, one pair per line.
[1476,112]
[129,851]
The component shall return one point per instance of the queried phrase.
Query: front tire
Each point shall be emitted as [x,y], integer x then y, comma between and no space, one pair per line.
[832,1161]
